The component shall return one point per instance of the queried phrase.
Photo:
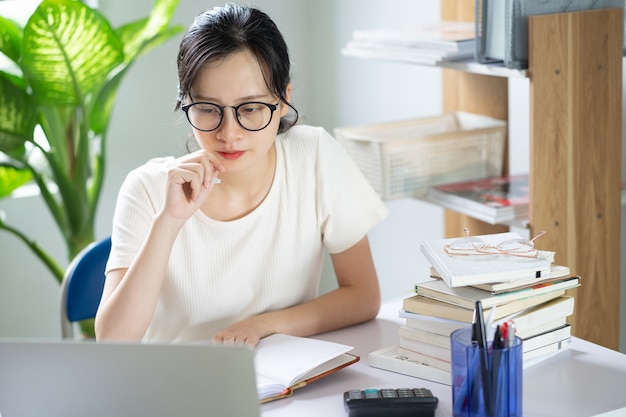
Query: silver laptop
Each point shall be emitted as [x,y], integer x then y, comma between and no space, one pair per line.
[81,379]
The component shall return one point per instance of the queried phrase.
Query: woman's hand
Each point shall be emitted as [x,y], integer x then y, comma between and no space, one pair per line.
[247,332]
[189,180]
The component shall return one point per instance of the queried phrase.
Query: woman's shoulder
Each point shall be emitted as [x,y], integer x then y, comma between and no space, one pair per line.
[306,138]
[153,167]
[304,132]
[151,172]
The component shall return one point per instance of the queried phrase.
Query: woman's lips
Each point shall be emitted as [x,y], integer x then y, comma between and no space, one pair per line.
[231,155]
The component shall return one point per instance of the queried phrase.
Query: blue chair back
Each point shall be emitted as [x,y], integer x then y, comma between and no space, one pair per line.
[82,285]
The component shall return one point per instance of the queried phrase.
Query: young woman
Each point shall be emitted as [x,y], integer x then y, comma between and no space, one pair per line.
[236,261]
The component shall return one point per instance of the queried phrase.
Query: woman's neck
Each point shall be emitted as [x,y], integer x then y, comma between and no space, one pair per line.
[240,193]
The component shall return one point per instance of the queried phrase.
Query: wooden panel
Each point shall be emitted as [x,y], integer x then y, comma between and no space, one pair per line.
[455,222]
[462,10]
[474,93]
[575,65]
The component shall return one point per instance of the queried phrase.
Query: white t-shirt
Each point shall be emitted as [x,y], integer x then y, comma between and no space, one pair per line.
[221,272]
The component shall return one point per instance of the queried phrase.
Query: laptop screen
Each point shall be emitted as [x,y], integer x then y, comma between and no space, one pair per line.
[78,379]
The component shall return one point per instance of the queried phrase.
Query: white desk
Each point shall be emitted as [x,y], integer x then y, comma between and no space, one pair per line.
[584,381]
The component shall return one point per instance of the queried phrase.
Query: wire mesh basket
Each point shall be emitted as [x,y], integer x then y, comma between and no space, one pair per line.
[404,158]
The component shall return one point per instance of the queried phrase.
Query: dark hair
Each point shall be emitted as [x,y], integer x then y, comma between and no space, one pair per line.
[222,31]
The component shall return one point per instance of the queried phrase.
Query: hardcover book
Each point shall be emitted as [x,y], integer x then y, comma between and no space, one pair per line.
[461,270]
[427,306]
[529,322]
[467,296]
[388,359]
[556,272]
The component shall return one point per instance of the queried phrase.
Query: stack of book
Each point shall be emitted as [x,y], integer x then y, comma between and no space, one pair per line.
[494,200]
[426,44]
[532,296]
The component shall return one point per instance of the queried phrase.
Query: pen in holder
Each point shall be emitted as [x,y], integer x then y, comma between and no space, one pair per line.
[485,388]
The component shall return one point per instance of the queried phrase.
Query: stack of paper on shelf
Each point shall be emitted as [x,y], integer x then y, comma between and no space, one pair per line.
[425,44]
[494,200]
[538,306]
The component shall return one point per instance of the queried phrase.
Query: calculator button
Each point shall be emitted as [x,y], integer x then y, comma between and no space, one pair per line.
[371,393]
[388,393]
[355,393]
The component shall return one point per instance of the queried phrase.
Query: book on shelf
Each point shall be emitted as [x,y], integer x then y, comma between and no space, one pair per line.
[443,35]
[421,44]
[284,363]
[402,54]
[468,296]
[388,359]
[494,200]
[428,306]
[463,270]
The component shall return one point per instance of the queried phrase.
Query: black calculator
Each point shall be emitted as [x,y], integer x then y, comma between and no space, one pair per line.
[390,402]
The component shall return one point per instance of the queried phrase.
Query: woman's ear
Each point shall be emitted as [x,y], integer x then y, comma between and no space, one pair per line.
[285,108]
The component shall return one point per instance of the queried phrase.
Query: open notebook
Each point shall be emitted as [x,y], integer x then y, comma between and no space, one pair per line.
[78,379]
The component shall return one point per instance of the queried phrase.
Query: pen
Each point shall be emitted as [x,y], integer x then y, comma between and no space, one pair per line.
[496,394]
[510,335]
[481,338]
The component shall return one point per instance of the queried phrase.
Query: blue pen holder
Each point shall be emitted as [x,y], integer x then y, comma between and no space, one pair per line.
[485,382]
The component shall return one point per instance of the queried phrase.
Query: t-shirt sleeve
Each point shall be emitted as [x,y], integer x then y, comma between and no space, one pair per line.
[348,206]
[137,203]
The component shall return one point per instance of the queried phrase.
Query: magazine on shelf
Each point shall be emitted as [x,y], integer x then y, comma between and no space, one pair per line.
[427,44]
[444,35]
[493,200]
[402,54]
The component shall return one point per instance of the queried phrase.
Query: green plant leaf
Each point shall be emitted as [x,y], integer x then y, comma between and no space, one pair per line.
[18,116]
[69,51]
[10,39]
[136,35]
[12,178]
[138,38]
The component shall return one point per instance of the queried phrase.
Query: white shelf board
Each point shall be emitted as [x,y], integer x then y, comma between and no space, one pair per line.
[471,66]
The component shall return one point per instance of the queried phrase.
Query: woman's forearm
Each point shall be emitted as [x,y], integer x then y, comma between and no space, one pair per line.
[130,296]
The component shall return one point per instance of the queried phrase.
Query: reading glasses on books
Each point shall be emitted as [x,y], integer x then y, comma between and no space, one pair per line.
[472,245]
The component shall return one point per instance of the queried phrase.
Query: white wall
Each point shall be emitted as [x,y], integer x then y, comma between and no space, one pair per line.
[330,90]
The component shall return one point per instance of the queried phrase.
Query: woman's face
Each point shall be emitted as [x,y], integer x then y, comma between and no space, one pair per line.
[235,80]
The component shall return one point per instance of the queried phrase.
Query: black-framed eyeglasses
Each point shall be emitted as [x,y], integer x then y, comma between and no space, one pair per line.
[252,115]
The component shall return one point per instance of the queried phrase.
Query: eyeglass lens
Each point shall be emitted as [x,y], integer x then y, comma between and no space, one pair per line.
[512,245]
[251,116]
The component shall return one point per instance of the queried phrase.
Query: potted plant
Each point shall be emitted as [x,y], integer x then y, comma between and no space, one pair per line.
[66,65]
